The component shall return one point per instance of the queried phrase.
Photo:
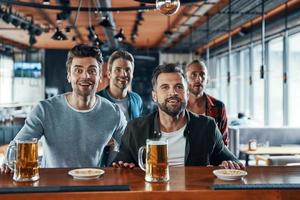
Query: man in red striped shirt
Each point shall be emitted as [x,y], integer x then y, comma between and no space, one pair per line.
[202,103]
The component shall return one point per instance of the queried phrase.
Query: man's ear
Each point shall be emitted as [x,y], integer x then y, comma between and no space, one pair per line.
[154,97]
[68,77]
[108,74]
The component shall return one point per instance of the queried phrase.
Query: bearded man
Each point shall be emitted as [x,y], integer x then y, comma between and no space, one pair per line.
[193,140]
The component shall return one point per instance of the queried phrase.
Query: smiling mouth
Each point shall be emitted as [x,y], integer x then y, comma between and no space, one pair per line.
[85,84]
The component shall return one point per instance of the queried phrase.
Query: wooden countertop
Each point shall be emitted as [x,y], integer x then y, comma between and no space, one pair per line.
[185,183]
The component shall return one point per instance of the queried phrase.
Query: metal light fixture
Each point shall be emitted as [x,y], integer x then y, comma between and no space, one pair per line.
[32,40]
[120,35]
[46,2]
[59,35]
[167,7]
[168,33]
[105,22]
[97,42]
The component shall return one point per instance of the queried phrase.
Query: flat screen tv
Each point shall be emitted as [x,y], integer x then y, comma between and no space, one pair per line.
[28,69]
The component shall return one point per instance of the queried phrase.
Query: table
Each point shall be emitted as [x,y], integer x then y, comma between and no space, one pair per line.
[283,150]
[185,183]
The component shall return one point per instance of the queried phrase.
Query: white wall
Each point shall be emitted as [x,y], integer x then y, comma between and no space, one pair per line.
[28,90]
[176,58]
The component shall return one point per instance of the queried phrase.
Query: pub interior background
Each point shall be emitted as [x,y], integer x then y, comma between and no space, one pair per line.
[251,49]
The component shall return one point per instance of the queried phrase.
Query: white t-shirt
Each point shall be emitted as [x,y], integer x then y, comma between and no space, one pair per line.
[123,105]
[176,146]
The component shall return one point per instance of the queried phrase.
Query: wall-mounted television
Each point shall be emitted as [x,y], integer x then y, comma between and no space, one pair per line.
[28,69]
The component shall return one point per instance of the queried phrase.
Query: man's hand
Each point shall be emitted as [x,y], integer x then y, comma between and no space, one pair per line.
[122,164]
[231,165]
[5,169]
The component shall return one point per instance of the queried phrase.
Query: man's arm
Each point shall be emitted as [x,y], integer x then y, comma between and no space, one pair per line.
[220,152]
[223,126]
[124,157]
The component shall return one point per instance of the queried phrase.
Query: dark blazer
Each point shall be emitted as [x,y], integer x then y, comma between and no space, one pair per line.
[204,144]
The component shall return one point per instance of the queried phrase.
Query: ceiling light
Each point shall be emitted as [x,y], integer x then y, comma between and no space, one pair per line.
[16,22]
[167,7]
[7,17]
[68,29]
[32,40]
[97,42]
[46,2]
[120,35]
[58,35]
[105,22]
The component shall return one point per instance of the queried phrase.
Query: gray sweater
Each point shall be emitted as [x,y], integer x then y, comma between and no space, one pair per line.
[73,138]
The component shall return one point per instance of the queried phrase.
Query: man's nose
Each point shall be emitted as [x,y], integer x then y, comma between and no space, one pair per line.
[123,72]
[85,74]
[198,77]
[173,91]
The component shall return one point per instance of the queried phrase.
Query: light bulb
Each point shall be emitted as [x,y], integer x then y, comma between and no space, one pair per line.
[167,7]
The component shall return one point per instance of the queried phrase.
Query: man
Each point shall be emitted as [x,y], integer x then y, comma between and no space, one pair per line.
[120,74]
[76,125]
[202,103]
[194,140]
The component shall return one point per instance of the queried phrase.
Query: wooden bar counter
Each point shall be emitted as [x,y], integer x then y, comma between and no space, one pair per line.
[185,183]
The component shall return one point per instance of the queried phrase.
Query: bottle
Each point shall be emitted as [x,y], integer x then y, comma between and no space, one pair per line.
[252,145]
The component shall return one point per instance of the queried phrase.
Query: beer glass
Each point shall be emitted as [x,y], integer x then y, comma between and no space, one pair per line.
[22,158]
[157,169]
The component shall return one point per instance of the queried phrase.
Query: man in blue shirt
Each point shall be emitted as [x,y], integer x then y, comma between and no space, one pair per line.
[120,74]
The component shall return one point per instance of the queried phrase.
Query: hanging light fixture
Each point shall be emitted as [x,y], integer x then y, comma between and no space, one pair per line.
[98,42]
[32,40]
[46,2]
[59,35]
[167,7]
[105,22]
[120,35]
[168,33]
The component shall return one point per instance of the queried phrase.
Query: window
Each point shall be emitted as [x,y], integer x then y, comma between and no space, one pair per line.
[276,82]
[6,79]
[245,86]
[294,79]
[258,85]
[233,86]
[223,79]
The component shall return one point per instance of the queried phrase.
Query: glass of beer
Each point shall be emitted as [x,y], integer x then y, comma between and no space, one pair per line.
[156,167]
[22,158]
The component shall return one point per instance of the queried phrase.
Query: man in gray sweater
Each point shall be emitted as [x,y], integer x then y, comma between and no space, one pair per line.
[75,126]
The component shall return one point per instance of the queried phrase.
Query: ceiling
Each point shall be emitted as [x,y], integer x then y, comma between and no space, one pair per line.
[150,34]
[188,26]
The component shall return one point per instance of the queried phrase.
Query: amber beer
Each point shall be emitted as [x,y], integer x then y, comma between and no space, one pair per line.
[23,157]
[157,169]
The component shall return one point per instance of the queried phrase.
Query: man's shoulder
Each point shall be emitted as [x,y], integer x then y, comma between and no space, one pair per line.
[143,121]
[215,101]
[58,99]
[106,104]
[134,95]
[200,119]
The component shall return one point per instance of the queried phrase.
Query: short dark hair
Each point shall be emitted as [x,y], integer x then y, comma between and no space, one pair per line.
[166,68]
[120,54]
[196,61]
[83,50]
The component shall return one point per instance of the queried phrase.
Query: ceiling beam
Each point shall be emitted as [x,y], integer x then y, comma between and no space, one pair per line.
[6,41]
[222,38]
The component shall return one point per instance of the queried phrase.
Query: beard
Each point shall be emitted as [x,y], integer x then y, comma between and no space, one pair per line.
[171,110]
[196,90]
[121,85]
